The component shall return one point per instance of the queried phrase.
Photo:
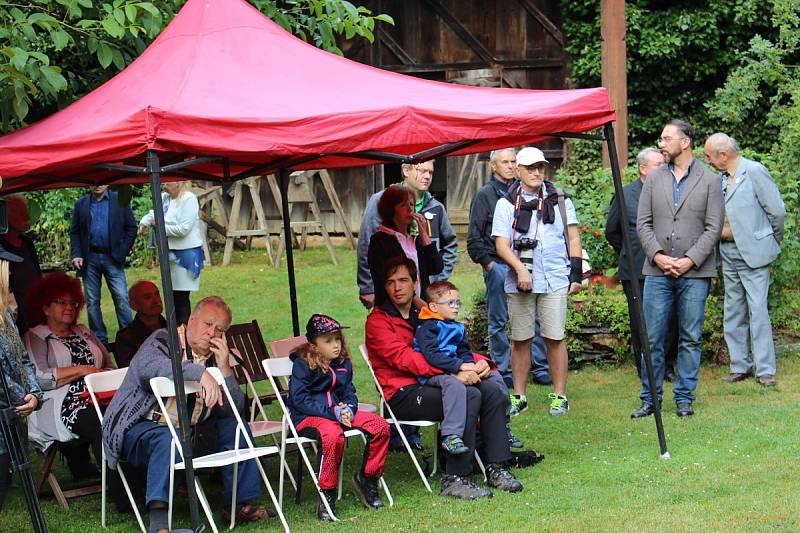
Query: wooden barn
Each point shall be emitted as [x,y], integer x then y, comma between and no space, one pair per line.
[497,43]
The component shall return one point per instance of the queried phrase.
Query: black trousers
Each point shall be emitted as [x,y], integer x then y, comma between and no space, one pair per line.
[183,307]
[87,428]
[670,343]
[485,401]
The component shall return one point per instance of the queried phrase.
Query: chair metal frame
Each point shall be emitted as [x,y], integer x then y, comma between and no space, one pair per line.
[110,380]
[282,367]
[164,387]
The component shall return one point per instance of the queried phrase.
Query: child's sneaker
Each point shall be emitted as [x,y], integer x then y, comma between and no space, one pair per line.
[518,404]
[453,445]
[559,405]
[513,441]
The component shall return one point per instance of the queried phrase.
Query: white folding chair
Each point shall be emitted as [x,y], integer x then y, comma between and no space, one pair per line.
[264,426]
[282,367]
[110,380]
[384,408]
[163,387]
[419,423]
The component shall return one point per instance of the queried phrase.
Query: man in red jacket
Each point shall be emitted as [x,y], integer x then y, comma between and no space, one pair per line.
[390,337]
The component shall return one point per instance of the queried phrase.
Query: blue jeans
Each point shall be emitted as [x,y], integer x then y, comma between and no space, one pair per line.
[497,310]
[687,296]
[147,444]
[97,266]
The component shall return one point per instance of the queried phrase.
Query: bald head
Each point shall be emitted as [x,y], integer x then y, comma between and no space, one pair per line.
[145,299]
[721,151]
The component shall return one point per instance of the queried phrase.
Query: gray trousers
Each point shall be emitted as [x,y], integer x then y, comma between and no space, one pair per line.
[747,325]
[454,400]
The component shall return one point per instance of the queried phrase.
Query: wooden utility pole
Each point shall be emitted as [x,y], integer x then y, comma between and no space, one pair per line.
[614,71]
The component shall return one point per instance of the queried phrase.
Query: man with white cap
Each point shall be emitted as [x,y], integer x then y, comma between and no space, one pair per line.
[536,234]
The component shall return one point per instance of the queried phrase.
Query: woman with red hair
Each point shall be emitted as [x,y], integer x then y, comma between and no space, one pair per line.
[63,353]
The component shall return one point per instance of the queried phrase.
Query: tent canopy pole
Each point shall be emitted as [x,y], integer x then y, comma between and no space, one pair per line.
[637,295]
[154,169]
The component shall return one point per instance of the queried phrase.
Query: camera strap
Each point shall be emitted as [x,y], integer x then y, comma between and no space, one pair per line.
[562,209]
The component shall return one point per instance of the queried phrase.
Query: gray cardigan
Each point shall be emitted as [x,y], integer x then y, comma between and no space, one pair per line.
[134,398]
[696,221]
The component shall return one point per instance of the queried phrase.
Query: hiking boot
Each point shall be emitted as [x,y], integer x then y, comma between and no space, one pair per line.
[735,377]
[462,488]
[513,441]
[367,489]
[559,405]
[454,445]
[646,409]
[518,405]
[500,478]
[322,513]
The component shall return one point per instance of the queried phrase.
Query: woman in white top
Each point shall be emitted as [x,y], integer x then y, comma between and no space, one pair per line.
[182,224]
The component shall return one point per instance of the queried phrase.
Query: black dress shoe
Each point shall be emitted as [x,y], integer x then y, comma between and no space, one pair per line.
[684,409]
[645,410]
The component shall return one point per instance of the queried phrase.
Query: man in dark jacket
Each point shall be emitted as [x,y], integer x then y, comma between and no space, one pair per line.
[648,160]
[398,367]
[146,301]
[417,179]
[481,249]
[101,237]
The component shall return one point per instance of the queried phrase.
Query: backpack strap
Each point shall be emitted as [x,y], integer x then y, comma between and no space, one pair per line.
[562,209]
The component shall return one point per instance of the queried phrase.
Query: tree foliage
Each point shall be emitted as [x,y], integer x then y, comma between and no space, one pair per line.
[678,55]
[55,51]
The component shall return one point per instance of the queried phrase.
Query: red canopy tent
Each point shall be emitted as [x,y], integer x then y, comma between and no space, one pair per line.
[223,80]
[224,93]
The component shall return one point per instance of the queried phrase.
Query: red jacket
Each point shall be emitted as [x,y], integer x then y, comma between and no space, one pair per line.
[390,340]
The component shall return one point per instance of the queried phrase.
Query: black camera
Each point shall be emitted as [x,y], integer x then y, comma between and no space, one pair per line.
[525,243]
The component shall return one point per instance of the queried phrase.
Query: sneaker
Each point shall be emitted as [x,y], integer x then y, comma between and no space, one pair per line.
[322,512]
[684,409]
[462,488]
[646,409]
[559,405]
[513,441]
[500,478]
[367,489]
[453,445]
[519,404]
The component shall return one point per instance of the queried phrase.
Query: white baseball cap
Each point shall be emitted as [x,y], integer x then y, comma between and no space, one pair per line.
[530,156]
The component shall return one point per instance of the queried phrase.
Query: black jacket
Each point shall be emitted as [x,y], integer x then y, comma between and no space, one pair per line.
[631,193]
[480,243]
[383,246]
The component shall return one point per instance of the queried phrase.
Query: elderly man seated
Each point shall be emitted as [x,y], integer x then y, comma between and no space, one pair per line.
[134,431]
[398,367]
[146,301]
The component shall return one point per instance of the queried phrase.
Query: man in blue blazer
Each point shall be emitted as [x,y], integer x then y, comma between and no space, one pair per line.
[101,237]
[751,235]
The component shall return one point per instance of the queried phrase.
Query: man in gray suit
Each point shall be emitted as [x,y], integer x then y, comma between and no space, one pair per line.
[647,161]
[679,223]
[751,236]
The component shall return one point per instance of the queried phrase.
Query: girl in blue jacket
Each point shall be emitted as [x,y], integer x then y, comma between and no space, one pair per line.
[322,403]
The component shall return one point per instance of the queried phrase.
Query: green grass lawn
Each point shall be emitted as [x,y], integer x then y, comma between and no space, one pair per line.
[734,464]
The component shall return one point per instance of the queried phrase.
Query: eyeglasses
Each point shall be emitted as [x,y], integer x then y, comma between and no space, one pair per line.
[67,303]
[531,168]
[666,140]
[455,304]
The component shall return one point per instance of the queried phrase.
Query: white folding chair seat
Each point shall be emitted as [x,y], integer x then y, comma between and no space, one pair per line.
[110,380]
[282,367]
[164,387]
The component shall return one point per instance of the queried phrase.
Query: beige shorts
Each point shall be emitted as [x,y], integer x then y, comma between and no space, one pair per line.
[552,309]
